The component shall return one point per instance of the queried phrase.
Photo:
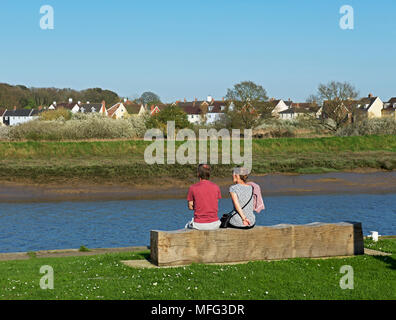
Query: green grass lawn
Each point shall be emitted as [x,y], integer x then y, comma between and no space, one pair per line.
[119,161]
[105,277]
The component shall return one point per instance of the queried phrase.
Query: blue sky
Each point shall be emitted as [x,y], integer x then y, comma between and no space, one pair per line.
[185,49]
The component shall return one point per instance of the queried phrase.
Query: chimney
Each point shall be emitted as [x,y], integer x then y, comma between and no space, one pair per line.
[370,95]
[222,99]
[195,99]
[185,100]
[272,99]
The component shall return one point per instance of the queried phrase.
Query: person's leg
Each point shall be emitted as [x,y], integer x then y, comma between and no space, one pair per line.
[207,226]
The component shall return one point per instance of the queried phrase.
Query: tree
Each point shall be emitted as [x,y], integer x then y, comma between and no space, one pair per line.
[336,91]
[247,91]
[168,113]
[335,98]
[149,98]
[249,101]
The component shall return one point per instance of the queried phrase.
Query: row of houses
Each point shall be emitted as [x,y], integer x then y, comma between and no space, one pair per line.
[210,110]
[368,107]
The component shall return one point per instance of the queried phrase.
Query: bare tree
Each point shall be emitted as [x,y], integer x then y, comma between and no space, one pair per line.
[335,98]
[333,91]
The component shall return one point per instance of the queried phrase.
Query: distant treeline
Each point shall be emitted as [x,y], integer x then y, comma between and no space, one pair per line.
[24,97]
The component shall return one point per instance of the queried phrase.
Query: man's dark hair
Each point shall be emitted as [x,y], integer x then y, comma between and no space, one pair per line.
[204,171]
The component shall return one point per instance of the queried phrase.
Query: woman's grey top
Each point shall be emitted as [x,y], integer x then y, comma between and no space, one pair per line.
[243,193]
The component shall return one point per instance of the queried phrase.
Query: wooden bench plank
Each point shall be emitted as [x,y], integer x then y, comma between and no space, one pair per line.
[181,247]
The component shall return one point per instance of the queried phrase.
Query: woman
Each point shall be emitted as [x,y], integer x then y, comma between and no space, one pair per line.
[242,198]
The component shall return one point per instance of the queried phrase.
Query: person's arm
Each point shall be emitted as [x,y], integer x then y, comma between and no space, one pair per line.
[190,199]
[238,208]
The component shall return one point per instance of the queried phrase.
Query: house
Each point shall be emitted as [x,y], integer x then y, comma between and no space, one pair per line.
[2,112]
[154,109]
[193,111]
[18,116]
[300,110]
[209,111]
[135,109]
[338,111]
[93,108]
[215,111]
[118,111]
[370,107]
[80,107]
[389,110]
[73,107]
[278,106]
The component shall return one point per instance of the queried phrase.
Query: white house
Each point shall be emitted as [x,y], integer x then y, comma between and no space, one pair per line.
[118,111]
[208,112]
[2,112]
[372,106]
[18,116]
[73,107]
[279,106]
[299,110]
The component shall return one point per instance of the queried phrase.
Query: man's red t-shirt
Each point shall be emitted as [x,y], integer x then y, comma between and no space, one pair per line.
[205,195]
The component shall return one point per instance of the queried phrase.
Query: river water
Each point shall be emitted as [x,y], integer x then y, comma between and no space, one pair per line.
[63,225]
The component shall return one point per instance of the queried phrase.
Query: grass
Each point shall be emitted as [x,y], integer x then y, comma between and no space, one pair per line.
[105,277]
[83,249]
[123,160]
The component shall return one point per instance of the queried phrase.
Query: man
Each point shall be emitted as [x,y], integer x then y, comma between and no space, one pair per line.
[203,198]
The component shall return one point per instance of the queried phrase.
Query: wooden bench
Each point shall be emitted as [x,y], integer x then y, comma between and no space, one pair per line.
[182,247]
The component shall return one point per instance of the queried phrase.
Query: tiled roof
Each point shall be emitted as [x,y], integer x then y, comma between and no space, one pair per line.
[392,100]
[133,108]
[365,103]
[113,109]
[193,107]
[66,105]
[20,113]
[87,107]
[309,109]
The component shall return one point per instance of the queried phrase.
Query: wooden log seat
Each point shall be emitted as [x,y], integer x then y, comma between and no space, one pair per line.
[283,241]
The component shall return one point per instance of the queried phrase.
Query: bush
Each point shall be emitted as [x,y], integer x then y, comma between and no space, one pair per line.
[4,132]
[81,126]
[58,114]
[276,128]
[380,126]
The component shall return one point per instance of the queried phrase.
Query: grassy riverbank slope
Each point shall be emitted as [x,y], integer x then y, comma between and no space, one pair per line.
[118,161]
[105,277]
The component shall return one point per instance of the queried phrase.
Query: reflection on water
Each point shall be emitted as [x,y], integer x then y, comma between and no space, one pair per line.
[40,226]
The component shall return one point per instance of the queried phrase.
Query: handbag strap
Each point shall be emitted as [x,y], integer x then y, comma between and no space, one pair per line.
[244,205]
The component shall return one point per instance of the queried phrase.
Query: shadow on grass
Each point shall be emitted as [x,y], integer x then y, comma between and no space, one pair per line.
[389,260]
[143,256]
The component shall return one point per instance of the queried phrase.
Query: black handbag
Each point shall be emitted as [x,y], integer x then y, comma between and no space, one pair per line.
[225,219]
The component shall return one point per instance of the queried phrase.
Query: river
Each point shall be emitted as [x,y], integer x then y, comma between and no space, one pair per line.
[36,226]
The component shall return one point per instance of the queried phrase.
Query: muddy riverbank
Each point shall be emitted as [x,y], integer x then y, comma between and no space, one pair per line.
[272,185]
